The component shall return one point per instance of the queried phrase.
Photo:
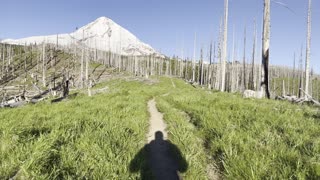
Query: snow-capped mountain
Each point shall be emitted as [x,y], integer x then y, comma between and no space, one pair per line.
[103,34]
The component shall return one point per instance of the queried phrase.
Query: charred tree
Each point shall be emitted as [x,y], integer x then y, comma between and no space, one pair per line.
[308,51]
[265,49]
[224,48]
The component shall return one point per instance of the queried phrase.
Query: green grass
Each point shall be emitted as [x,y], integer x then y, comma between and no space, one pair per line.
[85,137]
[253,139]
[292,85]
[93,138]
[186,137]
[97,137]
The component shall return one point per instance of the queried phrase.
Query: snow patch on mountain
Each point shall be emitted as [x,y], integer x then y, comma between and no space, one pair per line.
[103,34]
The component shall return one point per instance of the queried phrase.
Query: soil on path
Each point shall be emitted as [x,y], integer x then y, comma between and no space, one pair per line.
[163,163]
[156,122]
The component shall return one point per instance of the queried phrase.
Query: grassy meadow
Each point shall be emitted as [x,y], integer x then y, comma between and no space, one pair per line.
[85,137]
[253,139]
[97,137]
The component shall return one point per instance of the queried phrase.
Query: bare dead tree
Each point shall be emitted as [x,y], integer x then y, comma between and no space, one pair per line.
[293,73]
[252,80]
[308,51]
[244,59]
[209,82]
[218,71]
[25,70]
[87,68]
[300,74]
[224,49]
[44,64]
[265,49]
[201,67]
[194,58]
[213,66]
[233,71]
[3,62]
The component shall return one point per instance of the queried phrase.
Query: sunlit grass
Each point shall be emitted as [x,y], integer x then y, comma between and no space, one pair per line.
[97,137]
[87,137]
[253,139]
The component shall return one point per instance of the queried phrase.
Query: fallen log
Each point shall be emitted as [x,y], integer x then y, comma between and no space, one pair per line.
[18,104]
[310,98]
[294,99]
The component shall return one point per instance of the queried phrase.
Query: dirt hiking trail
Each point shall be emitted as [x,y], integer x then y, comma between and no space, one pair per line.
[163,165]
[156,122]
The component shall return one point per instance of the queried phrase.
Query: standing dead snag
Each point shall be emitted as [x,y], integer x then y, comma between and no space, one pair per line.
[25,71]
[82,61]
[1,49]
[252,79]
[65,85]
[218,70]
[201,76]
[265,49]
[300,74]
[224,49]
[293,74]
[87,67]
[209,67]
[308,51]
[3,63]
[244,59]
[232,88]
[44,64]
[194,58]
[89,88]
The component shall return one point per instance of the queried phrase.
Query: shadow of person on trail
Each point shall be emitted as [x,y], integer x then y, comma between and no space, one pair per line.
[160,159]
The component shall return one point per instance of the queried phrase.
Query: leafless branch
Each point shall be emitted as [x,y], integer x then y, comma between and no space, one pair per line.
[284,5]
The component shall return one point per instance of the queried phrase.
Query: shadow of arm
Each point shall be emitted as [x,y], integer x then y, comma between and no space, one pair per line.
[138,161]
[182,163]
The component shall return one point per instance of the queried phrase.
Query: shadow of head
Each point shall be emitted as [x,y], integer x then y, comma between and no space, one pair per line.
[158,136]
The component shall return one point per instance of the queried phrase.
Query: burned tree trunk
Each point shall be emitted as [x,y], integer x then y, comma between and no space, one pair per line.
[194,58]
[201,68]
[244,60]
[224,49]
[294,73]
[265,49]
[252,79]
[3,63]
[308,51]
[65,86]
[81,68]
[300,75]
[44,64]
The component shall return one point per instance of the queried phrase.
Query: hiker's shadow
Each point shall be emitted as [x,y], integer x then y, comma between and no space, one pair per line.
[160,159]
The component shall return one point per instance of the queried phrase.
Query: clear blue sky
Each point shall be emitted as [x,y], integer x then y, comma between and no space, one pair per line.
[169,25]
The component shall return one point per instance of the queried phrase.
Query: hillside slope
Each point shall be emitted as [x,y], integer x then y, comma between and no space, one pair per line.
[102,34]
[98,137]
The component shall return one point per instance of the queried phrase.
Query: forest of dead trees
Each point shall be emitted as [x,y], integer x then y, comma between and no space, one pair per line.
[39,68]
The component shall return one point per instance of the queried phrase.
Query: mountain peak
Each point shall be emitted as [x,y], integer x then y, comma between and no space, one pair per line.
[102,18]
[100,23]
[102,33]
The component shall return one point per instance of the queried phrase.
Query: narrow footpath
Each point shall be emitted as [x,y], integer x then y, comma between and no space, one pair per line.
[163,165]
